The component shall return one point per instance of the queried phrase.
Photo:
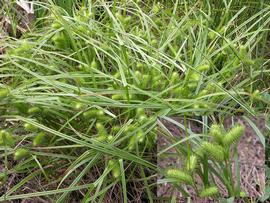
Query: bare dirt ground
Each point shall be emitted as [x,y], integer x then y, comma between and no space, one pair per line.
[251,159]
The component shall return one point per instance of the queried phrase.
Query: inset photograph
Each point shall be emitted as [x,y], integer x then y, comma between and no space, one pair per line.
[206,159]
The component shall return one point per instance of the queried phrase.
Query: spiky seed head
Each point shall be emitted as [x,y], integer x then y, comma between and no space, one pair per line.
[203,67]
[115,129]
[132,143]
[99,113]
[216,131]
[256,93]
[115,168]
[90,113]
[142,119]
[191,163]
[29,127]
[21,153]
[199,152]
[94,64]
[242,194]
[233,135]
[214,150]
[140,112]
[174,77]
[99,126]
[209,192]
[78,106]
[117,97]
[34,110]
[40,139]
[140,136]
[101,129]
[110,138]
[139,65]
[180,175]
[6,138]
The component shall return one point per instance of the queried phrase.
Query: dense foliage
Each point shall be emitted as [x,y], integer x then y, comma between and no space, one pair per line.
[83,90]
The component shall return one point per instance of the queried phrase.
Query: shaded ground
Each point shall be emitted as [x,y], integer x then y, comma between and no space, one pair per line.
[251,159]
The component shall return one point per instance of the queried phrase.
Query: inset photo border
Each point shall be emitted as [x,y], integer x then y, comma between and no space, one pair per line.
[205,158]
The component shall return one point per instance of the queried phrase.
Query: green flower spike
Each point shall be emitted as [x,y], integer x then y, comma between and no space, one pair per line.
[216,132]
[233,135]
[214,150]
[209,192]
[180,176]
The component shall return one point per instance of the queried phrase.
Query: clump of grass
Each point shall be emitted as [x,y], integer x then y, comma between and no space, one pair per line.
[89,81]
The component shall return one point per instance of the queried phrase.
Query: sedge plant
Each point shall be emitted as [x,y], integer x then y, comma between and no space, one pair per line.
[85,87]
[208,162]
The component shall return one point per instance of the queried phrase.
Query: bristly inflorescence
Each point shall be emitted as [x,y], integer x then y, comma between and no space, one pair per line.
[233,135]
[209,192]
[217,132]
[180,175]
[214,150]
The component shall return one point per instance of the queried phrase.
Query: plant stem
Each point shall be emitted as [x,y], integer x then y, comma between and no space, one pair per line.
[205,171]
[227,174]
